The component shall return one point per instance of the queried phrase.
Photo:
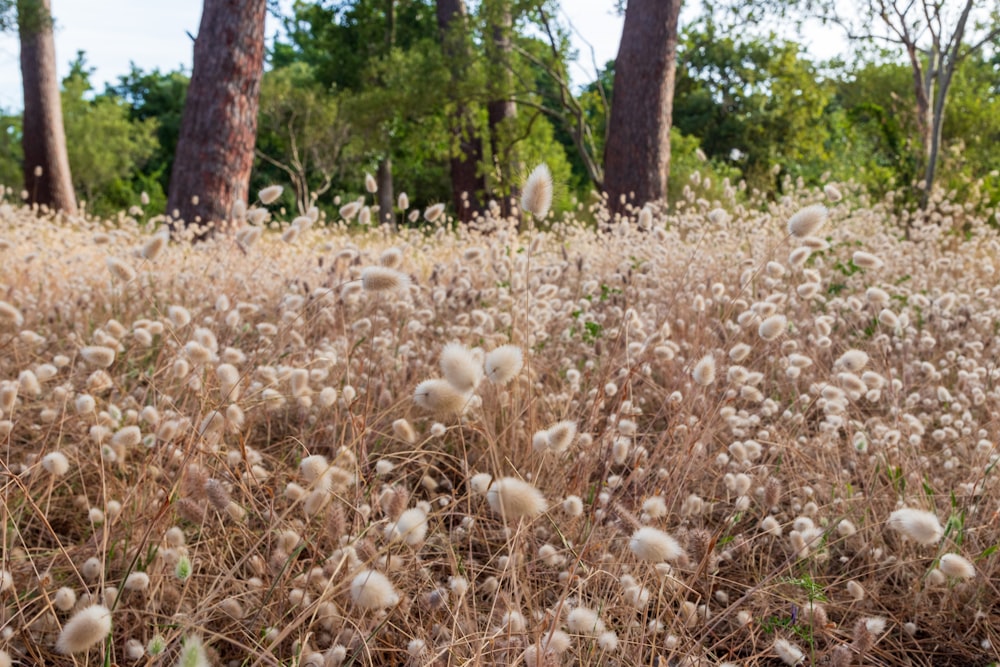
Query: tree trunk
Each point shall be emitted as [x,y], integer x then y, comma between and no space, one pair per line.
[386,198]
[215,149]
[46,163]
[501,110]
[467,149]
[637,152]
[947,62]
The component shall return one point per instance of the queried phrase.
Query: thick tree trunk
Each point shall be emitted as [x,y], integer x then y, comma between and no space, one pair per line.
[46,163]
[219,128]
[386,198]
[466,181]
[637,152]
[501,110]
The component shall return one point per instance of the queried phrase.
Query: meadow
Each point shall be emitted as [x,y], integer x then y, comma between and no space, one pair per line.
[755,431]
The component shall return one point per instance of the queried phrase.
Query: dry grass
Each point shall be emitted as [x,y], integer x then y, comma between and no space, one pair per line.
[192,457]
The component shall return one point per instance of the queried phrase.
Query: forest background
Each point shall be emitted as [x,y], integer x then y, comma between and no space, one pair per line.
[349,89]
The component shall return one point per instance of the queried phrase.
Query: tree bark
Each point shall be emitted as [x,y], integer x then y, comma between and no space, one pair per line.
[386,198]
[215,149]
[467,151]
[637,152]
[501,110]
[46,162]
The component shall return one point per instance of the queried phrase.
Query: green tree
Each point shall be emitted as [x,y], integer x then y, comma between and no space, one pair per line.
[301,131]
[157,96]
[11,157]
[106,148]
[755,103]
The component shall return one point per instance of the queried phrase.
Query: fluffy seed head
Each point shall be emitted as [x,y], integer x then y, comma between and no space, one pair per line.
[503,364]
[404,431]
[370,184]
[371,589]
[120,269]
[86,628]
[866,260]
[704,371]
[654,545]
[920,526]
[410,527]
[957,566]
[433,212]
[585,621]
[10,315]
[852,361]
[460,367]
[807,220]
[270,194]
[383,279]
[440,397]
[536,198]
[772,327]
[56,464]
[193,650]
[789,653]
[561,434]
[155,245]
[514,499]
[137,581]
[349,210]
[98,355]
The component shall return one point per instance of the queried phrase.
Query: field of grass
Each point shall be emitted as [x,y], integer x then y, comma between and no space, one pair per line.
[719,436]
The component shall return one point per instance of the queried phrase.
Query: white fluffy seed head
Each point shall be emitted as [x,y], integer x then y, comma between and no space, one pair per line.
[10,315]
[404,431]
[410,528]
[460,367]
[852,361]
[866,260]
[98,355]
[370,589]
[313,467]
[440,397]
[772,327]
[270,194]
[789,653]
[807,220]
[957,566]
[655,545]
[433,212]
[585,621]
[86,628]
[560,435]
[137,581]
[55,463]
[536,197]
[514,499]
[383,279]
[503,364]
[155,245]
[704,371]
[120,270]
[920,526]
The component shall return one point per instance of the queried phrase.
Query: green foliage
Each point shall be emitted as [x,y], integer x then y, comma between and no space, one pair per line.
[753,103]
[11,157]
[106,148]
[158,96]
[300,131]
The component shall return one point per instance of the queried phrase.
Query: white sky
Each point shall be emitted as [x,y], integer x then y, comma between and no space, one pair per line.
[153,33]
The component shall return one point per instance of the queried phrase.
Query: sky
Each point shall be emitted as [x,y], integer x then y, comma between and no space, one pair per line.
[154,34]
